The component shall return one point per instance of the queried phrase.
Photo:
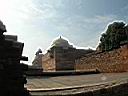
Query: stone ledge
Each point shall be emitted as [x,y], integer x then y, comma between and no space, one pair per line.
[109,88]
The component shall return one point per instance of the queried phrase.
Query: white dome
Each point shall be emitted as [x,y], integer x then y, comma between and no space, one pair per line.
[60,42]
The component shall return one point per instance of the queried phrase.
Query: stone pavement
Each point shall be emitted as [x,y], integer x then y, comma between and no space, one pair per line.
[55,82]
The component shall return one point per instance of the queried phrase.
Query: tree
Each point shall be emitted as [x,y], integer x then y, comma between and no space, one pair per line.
[116,33]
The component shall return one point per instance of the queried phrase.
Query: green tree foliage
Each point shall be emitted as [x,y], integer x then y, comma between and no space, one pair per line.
[115,35]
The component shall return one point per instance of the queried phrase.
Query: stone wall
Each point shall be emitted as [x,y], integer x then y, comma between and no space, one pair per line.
[112,61]
[37,62]
[63,59]
[48,63]
[59,58]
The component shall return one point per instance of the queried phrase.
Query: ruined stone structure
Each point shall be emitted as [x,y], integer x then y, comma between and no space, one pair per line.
[61,56]
[12,73]
[37,62]
[36,68]
[109,61]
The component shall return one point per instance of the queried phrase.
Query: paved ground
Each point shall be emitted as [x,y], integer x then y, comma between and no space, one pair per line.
[75,80]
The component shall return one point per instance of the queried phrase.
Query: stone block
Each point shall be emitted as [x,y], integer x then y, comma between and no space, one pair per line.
[11,71]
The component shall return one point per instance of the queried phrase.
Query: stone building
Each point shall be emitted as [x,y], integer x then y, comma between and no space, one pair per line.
[60,56]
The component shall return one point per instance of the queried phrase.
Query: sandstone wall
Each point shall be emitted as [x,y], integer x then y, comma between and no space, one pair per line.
[37,62]
[48,63]
[112,61]
[64,60]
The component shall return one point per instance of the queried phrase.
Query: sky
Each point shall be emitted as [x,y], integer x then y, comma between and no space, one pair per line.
[38,22]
